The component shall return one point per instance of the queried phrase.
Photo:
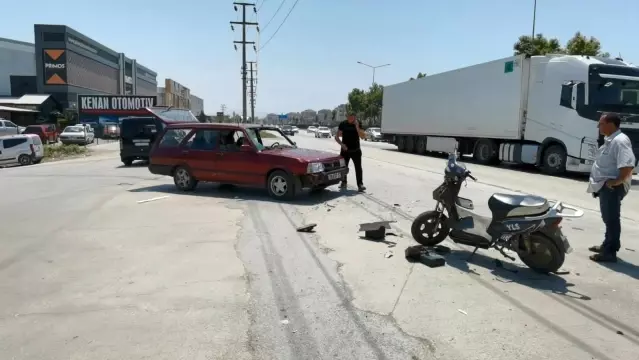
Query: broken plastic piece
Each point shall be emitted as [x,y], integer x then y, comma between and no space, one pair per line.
[389,254]
[309,228]
[375,230]
[424,255]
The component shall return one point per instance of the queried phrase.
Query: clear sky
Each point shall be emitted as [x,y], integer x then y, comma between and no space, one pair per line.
[312,61]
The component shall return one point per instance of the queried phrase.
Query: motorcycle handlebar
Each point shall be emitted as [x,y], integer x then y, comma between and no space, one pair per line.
[470,176]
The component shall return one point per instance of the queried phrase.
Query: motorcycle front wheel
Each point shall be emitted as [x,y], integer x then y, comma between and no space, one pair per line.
[425,231]
[544,255]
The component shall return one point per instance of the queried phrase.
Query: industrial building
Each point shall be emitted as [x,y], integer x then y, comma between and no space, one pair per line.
[17,62]
[177,95]
[68,64]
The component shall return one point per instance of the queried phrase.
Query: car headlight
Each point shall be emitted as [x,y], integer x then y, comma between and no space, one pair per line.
[315,168]
[342,162]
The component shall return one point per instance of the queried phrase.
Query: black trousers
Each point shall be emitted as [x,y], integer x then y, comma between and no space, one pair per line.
[356,156]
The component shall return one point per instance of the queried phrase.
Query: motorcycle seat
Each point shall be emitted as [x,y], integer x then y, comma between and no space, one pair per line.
[508,206]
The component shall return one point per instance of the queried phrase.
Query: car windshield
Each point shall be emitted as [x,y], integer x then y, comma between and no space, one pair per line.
[375,130]
[174,115]
[285,127]
[268,139]
[73,129]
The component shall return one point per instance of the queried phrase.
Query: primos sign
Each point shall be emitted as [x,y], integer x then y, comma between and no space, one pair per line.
[114,104]
[55,67]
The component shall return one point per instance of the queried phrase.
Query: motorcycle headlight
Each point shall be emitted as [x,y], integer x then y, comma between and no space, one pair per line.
[342,162]
[315,168]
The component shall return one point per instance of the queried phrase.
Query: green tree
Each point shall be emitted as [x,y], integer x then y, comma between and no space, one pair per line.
[540,45]
[356,102]
[419,76]
[202,117]
[581,45]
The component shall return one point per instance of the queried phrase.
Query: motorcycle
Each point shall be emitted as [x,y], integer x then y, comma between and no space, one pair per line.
[525,224]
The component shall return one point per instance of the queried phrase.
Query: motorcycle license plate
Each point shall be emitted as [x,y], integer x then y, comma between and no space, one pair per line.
[567,246]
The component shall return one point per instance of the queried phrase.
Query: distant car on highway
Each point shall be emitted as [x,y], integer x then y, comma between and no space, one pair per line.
[323,132]
[296,129]
[288,130]
[373,134]
[244,154]
[311,129]
[23,149]
[76,134]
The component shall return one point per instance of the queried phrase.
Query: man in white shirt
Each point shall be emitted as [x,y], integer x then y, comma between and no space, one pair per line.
[610,180]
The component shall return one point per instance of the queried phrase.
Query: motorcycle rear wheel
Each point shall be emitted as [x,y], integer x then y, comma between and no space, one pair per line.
[545,256]
[424,231]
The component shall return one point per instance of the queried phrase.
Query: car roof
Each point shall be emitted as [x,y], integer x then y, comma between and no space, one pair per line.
[217,126]
[17,136]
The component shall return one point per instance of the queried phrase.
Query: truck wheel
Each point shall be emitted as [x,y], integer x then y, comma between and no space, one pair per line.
[554,161]
[420,147]
[401,143]
[485,152]
[410,144]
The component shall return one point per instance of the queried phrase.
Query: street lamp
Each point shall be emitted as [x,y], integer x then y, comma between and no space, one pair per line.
[373,67]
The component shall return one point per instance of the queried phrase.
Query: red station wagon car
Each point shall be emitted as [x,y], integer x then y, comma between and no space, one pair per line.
[242,154]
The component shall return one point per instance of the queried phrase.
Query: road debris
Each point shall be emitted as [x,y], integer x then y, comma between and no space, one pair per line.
[375,230]
[152,199]
[396,205]
[284,322]
[462,311]
[309,228]
[424,255]
[388,255]
[629,249]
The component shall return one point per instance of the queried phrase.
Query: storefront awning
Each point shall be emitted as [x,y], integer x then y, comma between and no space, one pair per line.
[13,109]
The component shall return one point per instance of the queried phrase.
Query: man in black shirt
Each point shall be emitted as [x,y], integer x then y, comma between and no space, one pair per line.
[350,133]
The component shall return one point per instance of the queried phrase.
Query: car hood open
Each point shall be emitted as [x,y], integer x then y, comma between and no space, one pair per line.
[304,154]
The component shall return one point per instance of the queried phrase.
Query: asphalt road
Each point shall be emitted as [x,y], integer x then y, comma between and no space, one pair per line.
[88,272]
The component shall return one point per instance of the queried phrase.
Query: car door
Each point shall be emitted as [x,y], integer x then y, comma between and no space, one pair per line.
[236,166]
[11,148]
[201,153]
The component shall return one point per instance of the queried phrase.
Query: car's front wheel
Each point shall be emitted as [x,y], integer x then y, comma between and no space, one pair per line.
[25,160]
[183,179]
[280,185]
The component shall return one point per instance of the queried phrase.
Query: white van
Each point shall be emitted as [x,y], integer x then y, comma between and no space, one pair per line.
[24,149]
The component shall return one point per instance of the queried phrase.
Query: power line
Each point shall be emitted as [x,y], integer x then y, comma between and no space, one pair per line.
[273,17]
[259,7]
[279,27]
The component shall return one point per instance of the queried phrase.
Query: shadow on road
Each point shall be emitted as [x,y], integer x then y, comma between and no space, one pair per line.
[510,272]
[624,267]
[248,194]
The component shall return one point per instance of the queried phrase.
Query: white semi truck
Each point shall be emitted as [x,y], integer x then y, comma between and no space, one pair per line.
[501,111]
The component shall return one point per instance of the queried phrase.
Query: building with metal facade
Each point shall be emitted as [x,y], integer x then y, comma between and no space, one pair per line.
[197,105]
[69,64]
[17,58]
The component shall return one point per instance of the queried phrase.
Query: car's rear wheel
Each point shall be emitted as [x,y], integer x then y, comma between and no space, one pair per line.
[25,160]
[127,162]
[183,179]
[280,185]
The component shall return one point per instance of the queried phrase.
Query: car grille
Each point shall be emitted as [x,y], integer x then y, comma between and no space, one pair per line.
[330,166]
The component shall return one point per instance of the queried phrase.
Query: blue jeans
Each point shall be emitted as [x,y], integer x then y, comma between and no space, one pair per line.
[610,206]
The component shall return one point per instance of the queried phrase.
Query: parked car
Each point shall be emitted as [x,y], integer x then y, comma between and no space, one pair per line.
[23,149]
[242,154]
[138,133]
[111,131]
[373,134]
[76,134]
[7,127]
[48,133]
[288,130]
[311,129]
[296,129]
[323,132]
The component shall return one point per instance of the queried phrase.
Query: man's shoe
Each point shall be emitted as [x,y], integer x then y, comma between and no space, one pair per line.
[595,249]
[361,188]
[603,257]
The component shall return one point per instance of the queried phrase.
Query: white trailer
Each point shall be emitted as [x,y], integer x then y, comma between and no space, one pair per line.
[500,111]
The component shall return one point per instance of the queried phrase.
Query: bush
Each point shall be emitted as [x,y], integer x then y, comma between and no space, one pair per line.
[63,151]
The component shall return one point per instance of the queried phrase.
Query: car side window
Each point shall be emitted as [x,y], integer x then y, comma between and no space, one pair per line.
[204,140]
[173,138]
[9,143]
[231,140]
[10,124]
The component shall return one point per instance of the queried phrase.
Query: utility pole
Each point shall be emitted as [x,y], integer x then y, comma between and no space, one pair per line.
[373,68]
[252,83]
[244,23]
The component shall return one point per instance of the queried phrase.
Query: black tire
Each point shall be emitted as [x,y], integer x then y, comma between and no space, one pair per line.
[554,160]
[37,161]
[485,152]
[25,160]
[127,162]
[551,260]
[401,143]
[280,185]
[183,179]
[423,230]
[420,146]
